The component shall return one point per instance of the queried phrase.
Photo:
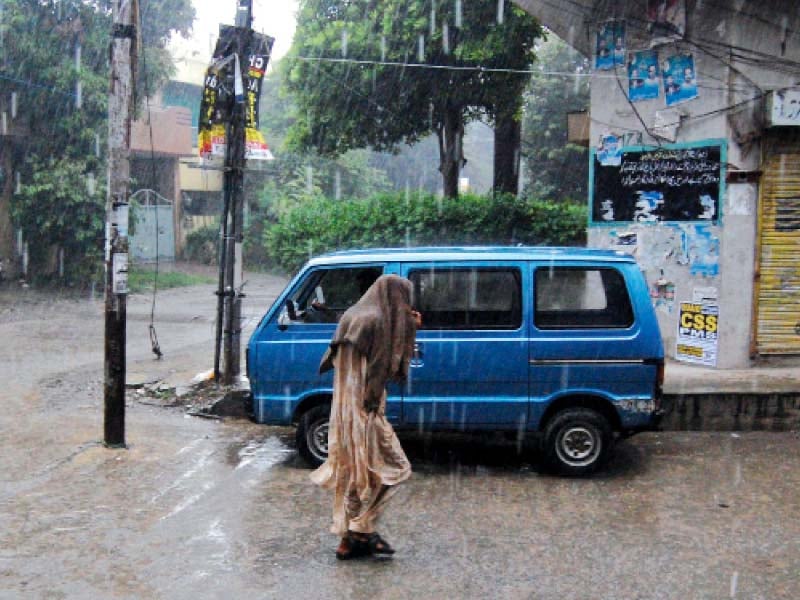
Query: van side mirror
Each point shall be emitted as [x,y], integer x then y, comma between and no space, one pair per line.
[290,310]
[287,315]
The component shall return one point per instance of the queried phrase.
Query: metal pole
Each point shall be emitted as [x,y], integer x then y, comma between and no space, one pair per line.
[223,264]
[120,110]
[235,172]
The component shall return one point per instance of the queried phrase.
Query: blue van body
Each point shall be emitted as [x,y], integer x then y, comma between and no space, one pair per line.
[530,354]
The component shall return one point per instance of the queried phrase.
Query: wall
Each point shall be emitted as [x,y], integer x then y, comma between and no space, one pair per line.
[739,54]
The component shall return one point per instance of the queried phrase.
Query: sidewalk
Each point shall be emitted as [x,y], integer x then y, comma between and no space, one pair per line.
[763,397]
[683,378]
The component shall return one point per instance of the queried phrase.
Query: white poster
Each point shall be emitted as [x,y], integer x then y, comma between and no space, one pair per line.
[119,266]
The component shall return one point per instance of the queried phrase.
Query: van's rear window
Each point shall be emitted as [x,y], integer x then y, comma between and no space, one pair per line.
[581,298]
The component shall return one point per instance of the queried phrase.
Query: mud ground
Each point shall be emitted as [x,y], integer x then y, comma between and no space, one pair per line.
[205,508]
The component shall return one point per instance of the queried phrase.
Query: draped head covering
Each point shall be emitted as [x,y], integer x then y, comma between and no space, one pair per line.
[380,326]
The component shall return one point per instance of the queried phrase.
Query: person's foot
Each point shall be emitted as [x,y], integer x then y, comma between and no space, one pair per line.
[379,546]
[352,547]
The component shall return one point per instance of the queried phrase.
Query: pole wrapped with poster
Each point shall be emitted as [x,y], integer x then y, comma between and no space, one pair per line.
[221,89]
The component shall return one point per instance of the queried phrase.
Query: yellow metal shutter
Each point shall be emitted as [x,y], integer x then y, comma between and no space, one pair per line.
[778,289]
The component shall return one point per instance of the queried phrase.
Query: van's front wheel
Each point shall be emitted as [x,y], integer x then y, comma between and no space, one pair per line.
[577,441]
[312,434]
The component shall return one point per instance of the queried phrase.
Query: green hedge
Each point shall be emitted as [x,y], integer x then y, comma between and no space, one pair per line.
[202,245]
[392,220]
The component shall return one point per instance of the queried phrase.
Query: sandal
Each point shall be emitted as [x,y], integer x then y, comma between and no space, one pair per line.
[379,546]
[352,547]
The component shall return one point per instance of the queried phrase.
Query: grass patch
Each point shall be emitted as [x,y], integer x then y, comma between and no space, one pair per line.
[141,279]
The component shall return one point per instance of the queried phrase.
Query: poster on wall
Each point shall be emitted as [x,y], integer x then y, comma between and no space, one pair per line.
[666,20]
[643,76]
[610,45]
[610,151]
[675,183]
[680,81]
[783,107]
[698,333]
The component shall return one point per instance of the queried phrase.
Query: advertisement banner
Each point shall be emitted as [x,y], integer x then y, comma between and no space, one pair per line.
[221,90]
[643,76]
[698,333]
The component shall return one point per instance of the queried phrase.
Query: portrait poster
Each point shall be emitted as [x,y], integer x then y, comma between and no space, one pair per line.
[666,20]
[610,45]
[680,79]
[643,76]
[610,151]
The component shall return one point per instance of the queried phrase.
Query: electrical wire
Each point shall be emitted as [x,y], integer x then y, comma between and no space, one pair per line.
[154,345]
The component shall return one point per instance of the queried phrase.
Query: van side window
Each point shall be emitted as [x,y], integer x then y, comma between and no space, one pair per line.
[581,298]
[325,295]
[468,298]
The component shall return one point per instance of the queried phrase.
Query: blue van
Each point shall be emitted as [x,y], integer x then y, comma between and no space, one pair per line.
[562,342]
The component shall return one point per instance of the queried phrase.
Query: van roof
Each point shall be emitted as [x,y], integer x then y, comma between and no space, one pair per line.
[432,253]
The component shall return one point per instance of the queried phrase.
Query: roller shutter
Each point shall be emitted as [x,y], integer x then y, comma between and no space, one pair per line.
[778,287]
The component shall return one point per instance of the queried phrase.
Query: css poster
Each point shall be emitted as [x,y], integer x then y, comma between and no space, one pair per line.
[698,333]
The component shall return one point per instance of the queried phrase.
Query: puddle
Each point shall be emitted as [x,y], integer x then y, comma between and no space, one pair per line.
[262,455]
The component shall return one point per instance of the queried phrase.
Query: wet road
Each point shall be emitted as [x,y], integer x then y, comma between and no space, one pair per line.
[207,509]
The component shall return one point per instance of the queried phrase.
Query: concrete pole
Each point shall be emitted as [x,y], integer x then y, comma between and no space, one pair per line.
[120,111]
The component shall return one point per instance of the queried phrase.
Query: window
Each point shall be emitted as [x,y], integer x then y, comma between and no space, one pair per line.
[579,298]
[468,298]
[325,295]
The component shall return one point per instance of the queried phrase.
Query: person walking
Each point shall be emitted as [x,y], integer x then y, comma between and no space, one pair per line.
[372,345]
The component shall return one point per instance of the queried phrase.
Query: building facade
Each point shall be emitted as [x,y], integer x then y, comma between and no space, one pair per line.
[695,163]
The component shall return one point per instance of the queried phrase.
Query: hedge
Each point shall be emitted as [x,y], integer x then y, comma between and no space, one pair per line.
[393,220]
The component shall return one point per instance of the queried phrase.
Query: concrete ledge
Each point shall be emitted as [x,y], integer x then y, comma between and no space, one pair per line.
[732,411]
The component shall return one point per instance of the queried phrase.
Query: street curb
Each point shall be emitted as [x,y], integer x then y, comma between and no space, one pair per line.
[732,411]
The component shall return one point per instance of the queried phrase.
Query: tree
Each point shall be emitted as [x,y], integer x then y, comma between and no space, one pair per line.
[558,169]
[359,102]
[55,58]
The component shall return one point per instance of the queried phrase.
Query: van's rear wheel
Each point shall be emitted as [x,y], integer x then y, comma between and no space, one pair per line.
[577,441]
[312,434]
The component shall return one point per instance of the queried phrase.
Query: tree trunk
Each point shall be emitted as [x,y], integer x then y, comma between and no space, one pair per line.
[507,137]
[451,156]
[7,254]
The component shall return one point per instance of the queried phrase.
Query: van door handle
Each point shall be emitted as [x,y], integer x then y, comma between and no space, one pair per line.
[417,355]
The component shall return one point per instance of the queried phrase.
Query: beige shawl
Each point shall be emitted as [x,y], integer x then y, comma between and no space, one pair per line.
[380,326]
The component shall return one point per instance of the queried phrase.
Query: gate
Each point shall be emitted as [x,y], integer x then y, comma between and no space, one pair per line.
[154,234]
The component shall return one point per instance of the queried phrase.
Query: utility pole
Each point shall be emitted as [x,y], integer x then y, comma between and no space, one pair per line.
[234,186]
[120,111]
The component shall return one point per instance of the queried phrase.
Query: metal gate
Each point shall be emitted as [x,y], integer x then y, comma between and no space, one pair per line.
[778,284]
[154,235]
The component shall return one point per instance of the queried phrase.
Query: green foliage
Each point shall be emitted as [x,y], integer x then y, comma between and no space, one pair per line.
[202,245]
[62,105]
[59,207]
[391,220]
[558,170]
[341,106]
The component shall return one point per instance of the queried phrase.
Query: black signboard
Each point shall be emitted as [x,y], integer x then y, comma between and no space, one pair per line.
[659,184]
